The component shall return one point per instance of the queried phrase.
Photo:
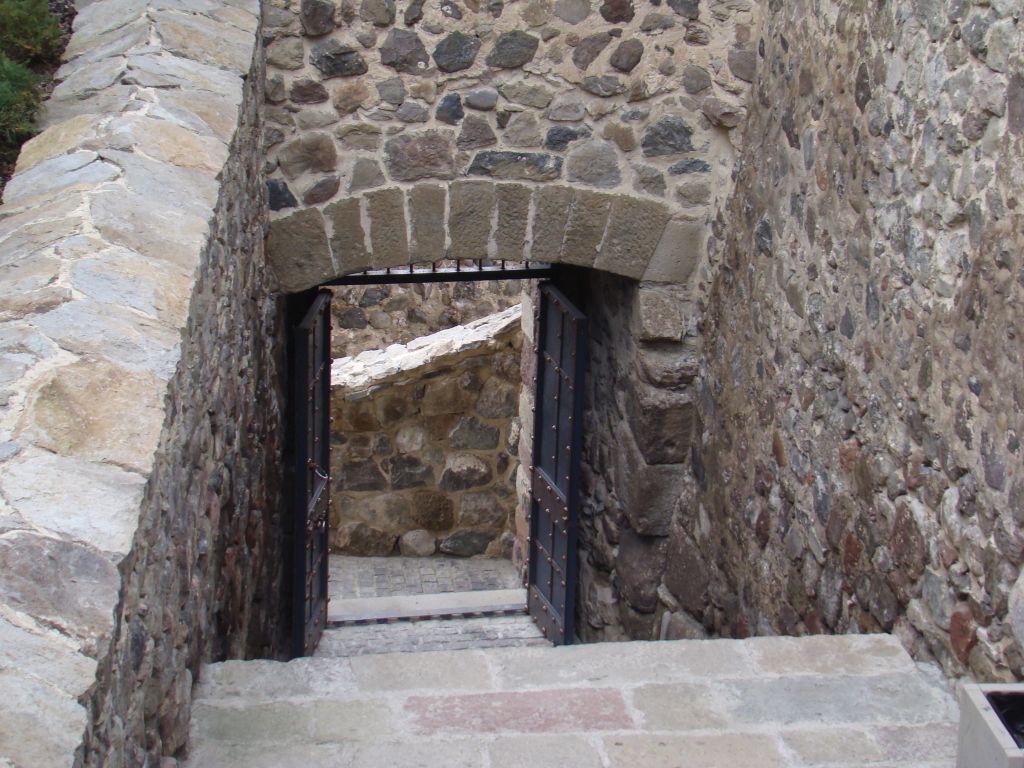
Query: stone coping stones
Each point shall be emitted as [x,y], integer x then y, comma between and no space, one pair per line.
[359,374]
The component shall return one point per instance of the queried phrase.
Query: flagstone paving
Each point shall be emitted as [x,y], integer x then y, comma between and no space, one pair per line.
[761,702]
[367,577]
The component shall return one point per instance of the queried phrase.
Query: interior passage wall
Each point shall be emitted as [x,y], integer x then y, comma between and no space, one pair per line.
[862,402]
[202,580]
[373,316]
[423,460]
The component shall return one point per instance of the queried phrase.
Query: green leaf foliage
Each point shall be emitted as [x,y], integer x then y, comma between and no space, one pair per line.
[29,34]
[19,100]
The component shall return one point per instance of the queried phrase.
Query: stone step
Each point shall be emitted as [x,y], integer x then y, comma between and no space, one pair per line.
[441,605]
[431,635]
[763,702]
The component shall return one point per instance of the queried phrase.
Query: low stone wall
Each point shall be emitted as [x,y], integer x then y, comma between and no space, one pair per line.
[424,440]
[139,401]
[376,316]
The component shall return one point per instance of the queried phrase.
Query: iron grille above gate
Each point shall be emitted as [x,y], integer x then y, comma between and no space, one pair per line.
[448,271]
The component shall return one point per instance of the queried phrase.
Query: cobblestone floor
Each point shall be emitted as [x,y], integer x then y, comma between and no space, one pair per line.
[361,577]
[760,703]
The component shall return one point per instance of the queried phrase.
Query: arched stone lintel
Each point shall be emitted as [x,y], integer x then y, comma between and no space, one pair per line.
[625,235]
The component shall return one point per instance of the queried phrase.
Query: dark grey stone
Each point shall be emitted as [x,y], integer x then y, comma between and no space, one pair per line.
[362,475]
[525,166]
[603,85]
[450,109]
[688,9]
[456,52]
[321,190]
[464,472]
[743,64]
[451,10]
[589,48]
[412,112]
[649,180]
[560,137]
[617,11]
[306,91]
[317,17]
[473,435]
[513,49]
[483,99]
[392,91]
[655,21]
[380,13]
[695,79]
[414,12]
[627,55]
[279,196]
[686,576]
[352,318]
[692,165]
[433,510]
[336,60]
[466,543]
[403,50]
[409,472]
[476,133]
[668,136]
[572,11]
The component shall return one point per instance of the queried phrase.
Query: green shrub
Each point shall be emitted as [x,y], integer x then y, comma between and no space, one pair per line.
[19,100]
[28,32]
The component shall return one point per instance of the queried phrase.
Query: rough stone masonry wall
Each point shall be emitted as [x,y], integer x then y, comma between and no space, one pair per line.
[369,317]
[139,417]
[570,131]
[861,466]
[424,439]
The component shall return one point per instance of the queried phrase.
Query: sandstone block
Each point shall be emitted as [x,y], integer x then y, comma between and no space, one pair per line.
[681,248]
[297,250]
[312,152]
[524,166]
[469,221]
[427,219]
[551,211]
[388,239]
[348,241]
[635,228]
[585,226]
[513,216]
[366,174]
[639,566]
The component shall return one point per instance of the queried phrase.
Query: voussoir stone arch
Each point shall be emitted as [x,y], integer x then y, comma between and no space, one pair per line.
[397,226]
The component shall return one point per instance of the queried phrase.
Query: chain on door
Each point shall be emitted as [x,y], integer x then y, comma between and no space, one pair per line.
[561,336]
[310,378]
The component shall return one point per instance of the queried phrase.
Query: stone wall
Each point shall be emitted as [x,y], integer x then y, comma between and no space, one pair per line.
[140,414]
[862,402]
[593,134]
[369,317]
[424,439]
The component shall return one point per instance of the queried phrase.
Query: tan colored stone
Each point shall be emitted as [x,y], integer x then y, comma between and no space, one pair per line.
[513,217]
[634,230]
[350,96]
[427,221]
[56,140]
[550,213]
[297,250]
[469,222]
[80,412]
[388,237]
[711,751]
[348,241]
[584,229]
[680,250]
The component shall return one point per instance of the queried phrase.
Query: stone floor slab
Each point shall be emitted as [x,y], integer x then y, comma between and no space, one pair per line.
[467,753]
[530,751]
[567,710]
[432,671]
[426,606]
[854,655]
[370,577]
[679,707]
[726,750]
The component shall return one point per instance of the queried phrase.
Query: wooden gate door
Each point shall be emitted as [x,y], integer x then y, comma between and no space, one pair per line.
[310,377]
[561,335]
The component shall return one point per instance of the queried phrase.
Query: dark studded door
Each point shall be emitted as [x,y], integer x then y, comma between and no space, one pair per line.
[310,363]
[561,337]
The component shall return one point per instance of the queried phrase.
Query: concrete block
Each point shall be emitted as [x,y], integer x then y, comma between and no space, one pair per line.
[982,740]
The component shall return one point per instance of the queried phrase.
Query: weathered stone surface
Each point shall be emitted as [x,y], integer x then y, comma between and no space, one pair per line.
[392,90]
[640,563]
[483,509]
[627,55]
[297,250]
[472,434]
[464,471]
[483,99]
[634,230]
[417,543]
[688,9]
[388,238]
[589,48]
[476,132]
[321,190]
[559,137]
[668,136]
[523,131]
[721,112]
[306,91]
[411,112]
[572,11]
[527,94]
[347,236]
[450,109]
[317,17]
[471,203]
[466,543]
[513,50]
[604,86]
[366,174]
[403,50]
[433,510]
[525,166]
[513,216]
[585,226]
[743,64]
[380,13]
[566,107]
[420,155]
[312,152]
[456,52]
[595,163]
[551,209]
[617,11]
[336,60]
[427,222]
[362,539]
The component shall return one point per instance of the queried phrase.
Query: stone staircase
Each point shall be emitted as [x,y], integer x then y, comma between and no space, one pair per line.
[758,703]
